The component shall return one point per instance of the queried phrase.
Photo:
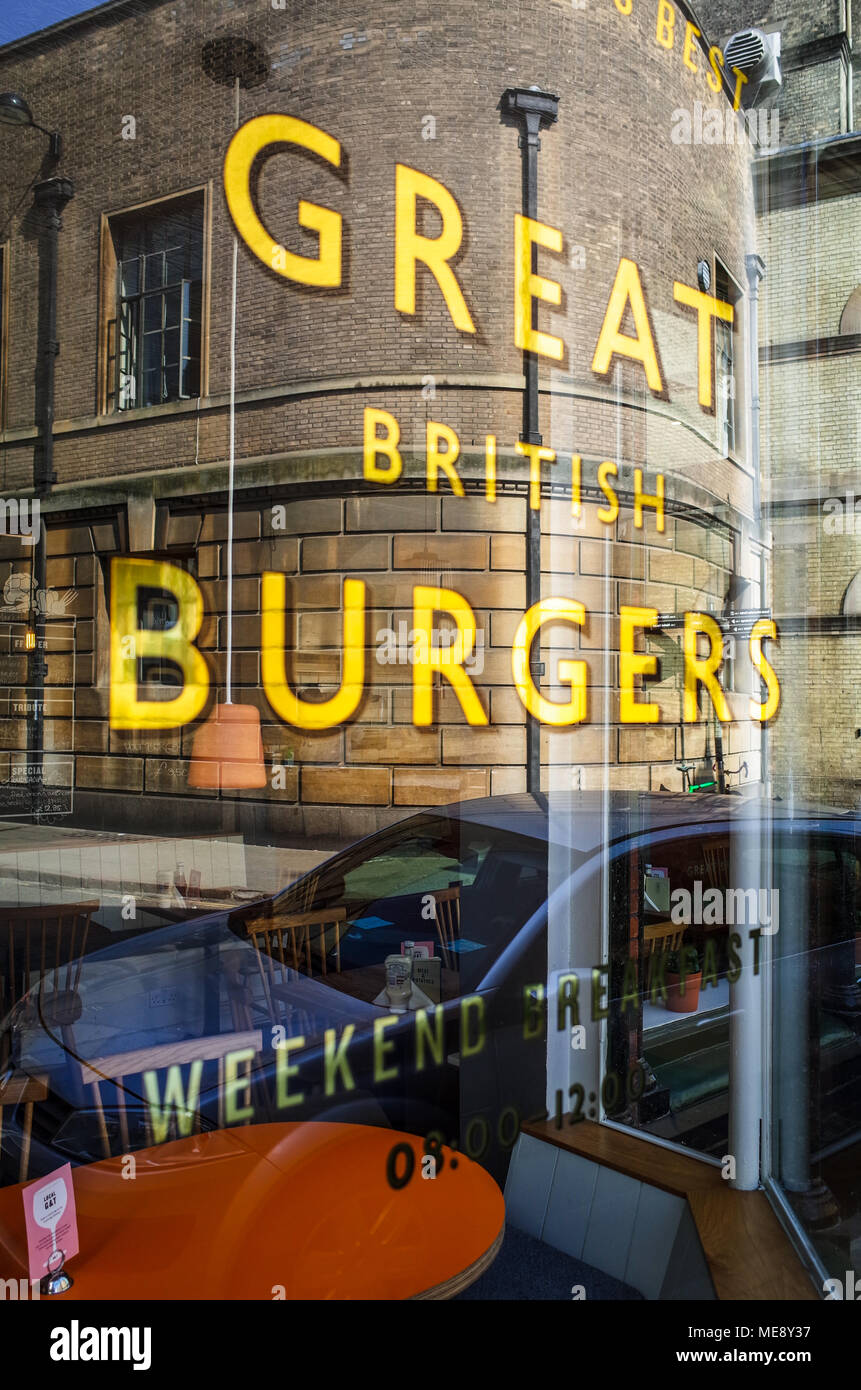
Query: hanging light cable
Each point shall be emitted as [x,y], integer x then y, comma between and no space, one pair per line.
[227,753]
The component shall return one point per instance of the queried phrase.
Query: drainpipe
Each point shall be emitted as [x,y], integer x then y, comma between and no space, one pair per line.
[50,196]
[533,110]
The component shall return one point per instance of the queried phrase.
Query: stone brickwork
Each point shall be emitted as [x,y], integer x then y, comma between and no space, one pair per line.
[811,431]
[310,362]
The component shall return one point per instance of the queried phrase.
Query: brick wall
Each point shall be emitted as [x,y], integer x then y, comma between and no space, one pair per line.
[309,362]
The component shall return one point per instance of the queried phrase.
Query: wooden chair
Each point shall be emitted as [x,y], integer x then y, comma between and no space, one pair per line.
[48,944]
[143,1061]
[447,913]
[659,937]
[281,942]
[716,858]
[16,1088]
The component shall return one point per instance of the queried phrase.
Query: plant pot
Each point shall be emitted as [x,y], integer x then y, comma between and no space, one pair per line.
[687,1003]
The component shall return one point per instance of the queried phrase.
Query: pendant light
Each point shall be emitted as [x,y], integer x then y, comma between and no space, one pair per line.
[227,753]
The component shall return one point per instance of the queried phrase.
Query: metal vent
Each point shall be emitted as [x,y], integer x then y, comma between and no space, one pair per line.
[745,50]
[757,57]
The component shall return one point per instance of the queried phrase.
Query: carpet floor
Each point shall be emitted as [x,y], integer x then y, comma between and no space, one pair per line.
[526,1268]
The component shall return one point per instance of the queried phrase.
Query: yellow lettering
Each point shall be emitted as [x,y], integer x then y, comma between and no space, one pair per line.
[388,445]
[490,467]
[599,990]
[436,434]
[715,77]
[176,1103]
[665,30]
[533,1011]
[447,660]
[529,287]
[536,455]
[435,1042]
[740,80]
[250,140]
[648,499]
[233,1083]
[335,1059]
[605,471]
[701,670]
[691,33]
[130,644]
[567,990]
[470,1003]
[764,627]
[301,713]
[433,252]
[572,673]
[283,1072]
[627,289]
[633,663]
[707,308]
[382,1047]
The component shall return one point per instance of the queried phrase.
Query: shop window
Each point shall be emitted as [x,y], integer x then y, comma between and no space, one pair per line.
[674,1045]
[153,303]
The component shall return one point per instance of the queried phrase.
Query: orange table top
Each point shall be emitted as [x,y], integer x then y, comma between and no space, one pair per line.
[245,1213]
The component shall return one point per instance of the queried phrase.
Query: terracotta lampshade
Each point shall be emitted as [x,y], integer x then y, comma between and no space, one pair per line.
[228,750]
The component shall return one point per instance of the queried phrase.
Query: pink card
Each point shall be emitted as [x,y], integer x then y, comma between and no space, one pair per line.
[422,950]
[52,1225]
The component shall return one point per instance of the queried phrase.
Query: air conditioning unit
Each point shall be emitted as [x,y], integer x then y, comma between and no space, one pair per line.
[757,55]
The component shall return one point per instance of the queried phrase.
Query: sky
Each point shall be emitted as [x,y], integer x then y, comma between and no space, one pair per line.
[20,17]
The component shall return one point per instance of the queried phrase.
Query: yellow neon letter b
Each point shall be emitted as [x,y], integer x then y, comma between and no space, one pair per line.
[130,643]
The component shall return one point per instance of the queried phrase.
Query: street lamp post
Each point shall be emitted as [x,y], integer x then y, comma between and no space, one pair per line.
[50,196]
[533,111]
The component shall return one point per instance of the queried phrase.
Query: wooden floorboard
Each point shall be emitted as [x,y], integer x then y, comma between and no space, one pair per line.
[748,1253]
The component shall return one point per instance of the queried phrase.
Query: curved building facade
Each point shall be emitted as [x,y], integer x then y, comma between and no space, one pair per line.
[416,181]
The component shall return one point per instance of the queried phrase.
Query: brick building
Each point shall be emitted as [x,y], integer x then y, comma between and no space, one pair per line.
[145,103]
[808,192]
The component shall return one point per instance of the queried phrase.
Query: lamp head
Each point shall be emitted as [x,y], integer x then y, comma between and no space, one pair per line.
[14,109]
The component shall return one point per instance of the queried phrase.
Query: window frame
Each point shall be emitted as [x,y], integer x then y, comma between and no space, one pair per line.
[109,302]
[737,450]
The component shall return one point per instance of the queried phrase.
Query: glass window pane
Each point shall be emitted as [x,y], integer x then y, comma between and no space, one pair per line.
[171,346]
[190,376]
[171,382]
[129,276]
[152,387]
[153,307]
[177,263]
[172,308]
[154,270]
[152,351]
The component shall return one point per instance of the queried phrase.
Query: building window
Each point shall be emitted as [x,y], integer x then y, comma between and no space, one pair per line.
[729,382]
[153,333]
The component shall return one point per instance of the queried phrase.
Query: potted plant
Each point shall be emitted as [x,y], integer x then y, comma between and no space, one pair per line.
[684,973]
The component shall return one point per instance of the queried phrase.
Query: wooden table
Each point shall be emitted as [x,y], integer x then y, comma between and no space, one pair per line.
[244,1213]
